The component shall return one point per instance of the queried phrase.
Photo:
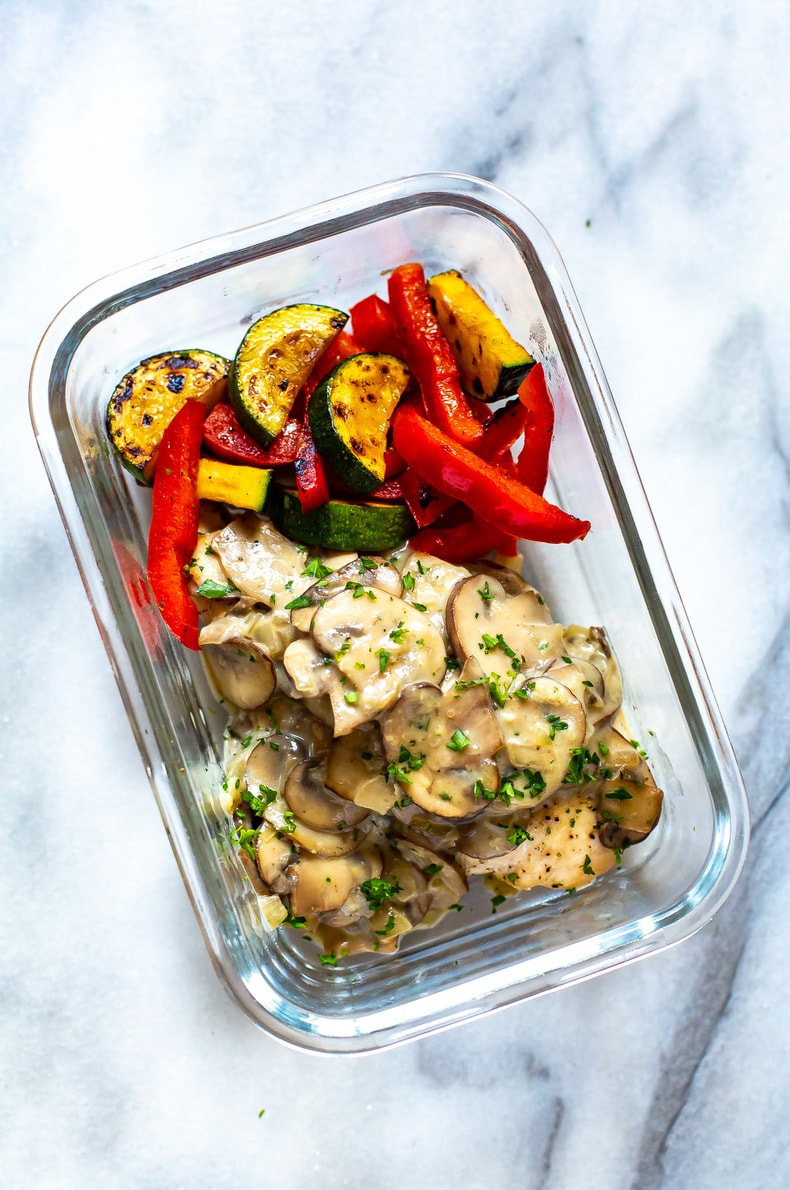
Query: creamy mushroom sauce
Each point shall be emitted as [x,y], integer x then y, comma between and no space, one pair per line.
[400,725]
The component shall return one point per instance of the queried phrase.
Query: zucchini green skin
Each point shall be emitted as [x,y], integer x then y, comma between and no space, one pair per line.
[147,399]
[273,361]
[233,483]
[340,525]
[350,414]
[490,361]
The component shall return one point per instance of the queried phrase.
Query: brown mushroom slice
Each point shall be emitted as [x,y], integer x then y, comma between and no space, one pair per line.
[239,669]
[270,761]
[630,811]
[441,747]
[355,770]
[205,565]
[542,729]
[292,717]
[274,856]
[358,572]
[484,839]
[329,843]
[430,581]
[446,882]
[591,645]
[507,635]
[315,805]
[512,581]
[560,848]
[376,645]
[260,561]
[324,883]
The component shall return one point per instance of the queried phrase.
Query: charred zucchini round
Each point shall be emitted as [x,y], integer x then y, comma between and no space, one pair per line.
[350,415]
[273,361]
[491,363]
[149,397]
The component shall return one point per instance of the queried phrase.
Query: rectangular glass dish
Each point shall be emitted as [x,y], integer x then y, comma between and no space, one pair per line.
[336,253]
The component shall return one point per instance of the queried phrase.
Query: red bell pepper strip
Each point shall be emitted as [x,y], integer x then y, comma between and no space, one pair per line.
[393,463]
[500,500]
[425,504]
[429,356]
[505,428]
[532,466]
[473,538]
[375,326]
[174,521]
[341,347]
[226,439]
[312,482]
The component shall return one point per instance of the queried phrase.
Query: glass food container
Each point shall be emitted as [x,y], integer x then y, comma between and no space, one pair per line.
[474,961]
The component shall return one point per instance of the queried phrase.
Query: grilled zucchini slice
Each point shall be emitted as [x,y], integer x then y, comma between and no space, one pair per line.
[491,363]
[149,397]
[273,361]
[350,414]
[341,525]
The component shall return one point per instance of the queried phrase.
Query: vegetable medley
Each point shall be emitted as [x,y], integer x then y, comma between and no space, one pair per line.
[332,516]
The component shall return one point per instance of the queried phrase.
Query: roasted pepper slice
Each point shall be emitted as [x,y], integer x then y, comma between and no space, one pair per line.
[532,466]
[174,521]
[500,500]
[375,327]
[429,356]
[473,538]
[225,438]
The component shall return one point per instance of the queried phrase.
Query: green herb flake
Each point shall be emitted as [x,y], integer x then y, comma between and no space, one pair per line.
[458,741]
[300,601]
[496,901]
[351,697]
[408,582]
[383,657]
[620,795]
[485,593]
[328,960]
[377,890]
[555,724]
[315,568]
[213,590]
[587,867]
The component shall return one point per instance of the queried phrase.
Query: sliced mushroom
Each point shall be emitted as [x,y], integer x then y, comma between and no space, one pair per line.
[511,579]
[441,747]
[629,801]
[310,800]
[446,882]
[591,645]
[429,582]
[485,839]
[560,847]
[326,843]
[275,855]
[363,652]
[325,883]
[356,769]
[260,561]
[294,718]
[507,635]
[241,671]
[356,573]
[270,762]
[541,730]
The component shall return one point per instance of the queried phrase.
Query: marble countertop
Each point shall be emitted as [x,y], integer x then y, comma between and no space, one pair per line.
[652,143]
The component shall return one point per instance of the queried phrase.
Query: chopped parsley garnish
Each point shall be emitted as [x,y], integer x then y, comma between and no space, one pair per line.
[452,663]
[377,890]
[432,869]
[300,601]
[587,867]
[620,795]
[484,592]
[214,590]
[351,697]
[316,569]
[419,606]
[517,835]
[555,724]
[398,633]
[496,902]
[289,826]
[383,657]
[458,741]
[488,643]
[259,804]
[367,564]
[328,960]
[408,582]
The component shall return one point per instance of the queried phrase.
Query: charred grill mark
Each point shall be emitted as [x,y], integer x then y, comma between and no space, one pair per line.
[176,382]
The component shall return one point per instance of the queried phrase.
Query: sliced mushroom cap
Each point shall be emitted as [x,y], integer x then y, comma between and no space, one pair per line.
[240,669]
[275,855]
[591,645]
[270,762]
[205,565]
[294,718]
[511,579]
[361,572]
[356,769]
[629,802]
[442,747]
[560,848]
[541,730]
[260,561]
[446,882]
[429,582]
[325,883]
[372,647]
[485,839]
[326,843]
[310,800]
[507,635]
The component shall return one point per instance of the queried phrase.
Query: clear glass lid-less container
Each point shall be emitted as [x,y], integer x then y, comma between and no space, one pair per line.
[476,961]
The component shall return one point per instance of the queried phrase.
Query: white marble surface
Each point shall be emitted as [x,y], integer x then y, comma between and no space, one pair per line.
[652,140]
